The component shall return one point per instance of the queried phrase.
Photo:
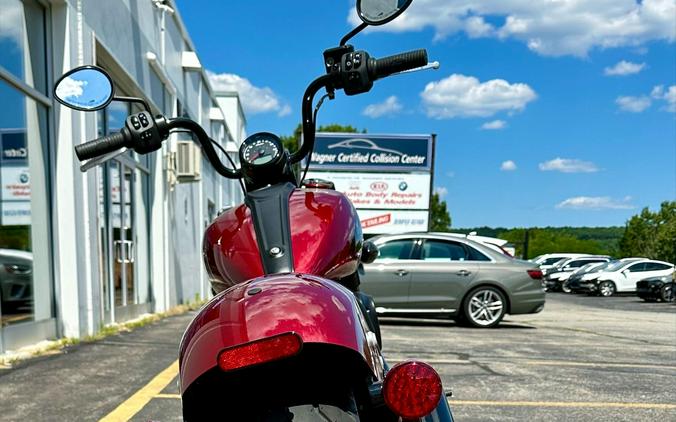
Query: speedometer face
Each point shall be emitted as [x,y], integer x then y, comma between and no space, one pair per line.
[260,151]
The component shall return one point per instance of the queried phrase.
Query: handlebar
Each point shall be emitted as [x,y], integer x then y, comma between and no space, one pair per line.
[386,66]
[374,69]
[103,145]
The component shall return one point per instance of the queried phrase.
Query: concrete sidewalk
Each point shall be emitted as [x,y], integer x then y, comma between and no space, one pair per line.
[89,380]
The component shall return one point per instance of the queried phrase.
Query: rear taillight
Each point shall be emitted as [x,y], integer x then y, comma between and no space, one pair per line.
[535,274]
[412,389]
[260,351]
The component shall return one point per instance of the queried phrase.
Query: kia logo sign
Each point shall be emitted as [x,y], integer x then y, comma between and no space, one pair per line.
[379,186]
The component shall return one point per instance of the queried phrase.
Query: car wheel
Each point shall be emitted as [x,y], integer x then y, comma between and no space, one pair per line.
[484,307]
[565,288]
[667,294]
[606,288]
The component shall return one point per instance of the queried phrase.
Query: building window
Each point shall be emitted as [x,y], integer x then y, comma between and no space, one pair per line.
[25,279]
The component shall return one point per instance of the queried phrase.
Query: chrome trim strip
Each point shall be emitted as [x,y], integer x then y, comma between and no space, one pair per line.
[383,310]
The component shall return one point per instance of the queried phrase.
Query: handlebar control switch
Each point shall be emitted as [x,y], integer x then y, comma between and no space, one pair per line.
[144,132]
[333,63]
[355,76]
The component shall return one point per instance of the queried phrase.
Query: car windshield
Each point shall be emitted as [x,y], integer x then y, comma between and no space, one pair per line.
[598,267]
[552,261]
[616,265]
[583,269]
[563,262]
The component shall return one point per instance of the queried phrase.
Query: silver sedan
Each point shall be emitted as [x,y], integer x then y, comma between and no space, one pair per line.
[442,275]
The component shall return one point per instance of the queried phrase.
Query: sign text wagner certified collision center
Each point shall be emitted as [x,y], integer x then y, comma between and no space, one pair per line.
[388,178]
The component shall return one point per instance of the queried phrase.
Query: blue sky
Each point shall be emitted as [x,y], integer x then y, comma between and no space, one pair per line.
[577,95]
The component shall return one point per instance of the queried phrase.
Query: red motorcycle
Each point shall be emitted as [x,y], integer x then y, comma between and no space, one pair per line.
[288,336]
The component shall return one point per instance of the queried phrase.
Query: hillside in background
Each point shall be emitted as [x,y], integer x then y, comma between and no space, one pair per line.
[541,240]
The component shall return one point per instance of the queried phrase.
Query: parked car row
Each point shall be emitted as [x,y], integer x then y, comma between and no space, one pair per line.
[450,275]
[604,276]
[557,277]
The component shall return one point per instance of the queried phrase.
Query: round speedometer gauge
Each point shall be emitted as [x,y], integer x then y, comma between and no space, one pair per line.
[260,151]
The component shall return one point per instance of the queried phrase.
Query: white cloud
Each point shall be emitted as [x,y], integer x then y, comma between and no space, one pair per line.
[623,68]
[568,165]
[70,88]
[494,125]
[508,165]
[633,104]
[450,174]
[464,96]
[669,96]
[11,21]
[441,191]
[390,107]
[254,99]
[596,203]
[552,27]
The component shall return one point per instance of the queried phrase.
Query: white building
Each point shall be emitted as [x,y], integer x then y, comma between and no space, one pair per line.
[123,239]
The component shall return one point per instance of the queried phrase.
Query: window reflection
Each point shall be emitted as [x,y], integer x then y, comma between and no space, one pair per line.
[17,125]
[22,41]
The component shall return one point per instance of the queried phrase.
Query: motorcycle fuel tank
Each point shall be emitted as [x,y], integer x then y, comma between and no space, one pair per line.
[325,231]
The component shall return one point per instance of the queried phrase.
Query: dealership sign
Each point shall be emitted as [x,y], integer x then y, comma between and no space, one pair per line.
[343,151]
[15,187]
[381,190]
[388,178]
[391,222]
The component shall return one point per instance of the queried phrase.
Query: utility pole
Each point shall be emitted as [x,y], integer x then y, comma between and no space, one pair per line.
[525,244]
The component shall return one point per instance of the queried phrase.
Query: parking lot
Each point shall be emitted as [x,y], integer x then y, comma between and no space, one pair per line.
[581,359]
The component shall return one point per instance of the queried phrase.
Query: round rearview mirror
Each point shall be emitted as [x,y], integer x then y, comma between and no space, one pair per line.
[378,12]
[369,252]
[85,88]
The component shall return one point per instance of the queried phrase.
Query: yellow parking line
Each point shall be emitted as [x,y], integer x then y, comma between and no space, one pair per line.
[136,402]
[561,404]
[597,364]
[544,363]
[167,396]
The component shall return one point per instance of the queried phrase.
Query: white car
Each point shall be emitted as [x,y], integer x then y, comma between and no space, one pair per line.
[623,275]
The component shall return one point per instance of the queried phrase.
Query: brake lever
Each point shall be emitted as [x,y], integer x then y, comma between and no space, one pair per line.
[102,159]
[432,66]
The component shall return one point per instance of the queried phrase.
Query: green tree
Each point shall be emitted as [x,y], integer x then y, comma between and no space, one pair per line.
[292,142]
[652,234]
[441,219]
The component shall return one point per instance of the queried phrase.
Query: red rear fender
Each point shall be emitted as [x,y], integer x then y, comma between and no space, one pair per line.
[317,309]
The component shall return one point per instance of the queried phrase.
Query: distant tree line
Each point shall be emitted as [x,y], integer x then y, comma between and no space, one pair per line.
[647,234]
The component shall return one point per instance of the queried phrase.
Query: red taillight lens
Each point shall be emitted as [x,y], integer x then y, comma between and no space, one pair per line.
[535,274]
[412,389]
[260,351]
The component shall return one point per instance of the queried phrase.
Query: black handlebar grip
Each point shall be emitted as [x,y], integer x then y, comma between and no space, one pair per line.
[380,68]
[101,146]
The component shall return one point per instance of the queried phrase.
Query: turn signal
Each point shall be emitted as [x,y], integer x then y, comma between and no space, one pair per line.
[412,389]
[260,351]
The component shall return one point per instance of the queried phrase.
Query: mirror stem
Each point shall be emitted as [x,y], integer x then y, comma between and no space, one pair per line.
[134,100]
[352,33]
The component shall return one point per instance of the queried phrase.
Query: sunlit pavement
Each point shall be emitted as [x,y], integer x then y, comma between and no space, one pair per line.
[582,359]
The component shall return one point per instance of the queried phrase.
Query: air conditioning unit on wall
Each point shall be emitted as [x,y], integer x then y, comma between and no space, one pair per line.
[188,162]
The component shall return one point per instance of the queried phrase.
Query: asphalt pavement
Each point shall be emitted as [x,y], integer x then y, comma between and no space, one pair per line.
[581,359]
